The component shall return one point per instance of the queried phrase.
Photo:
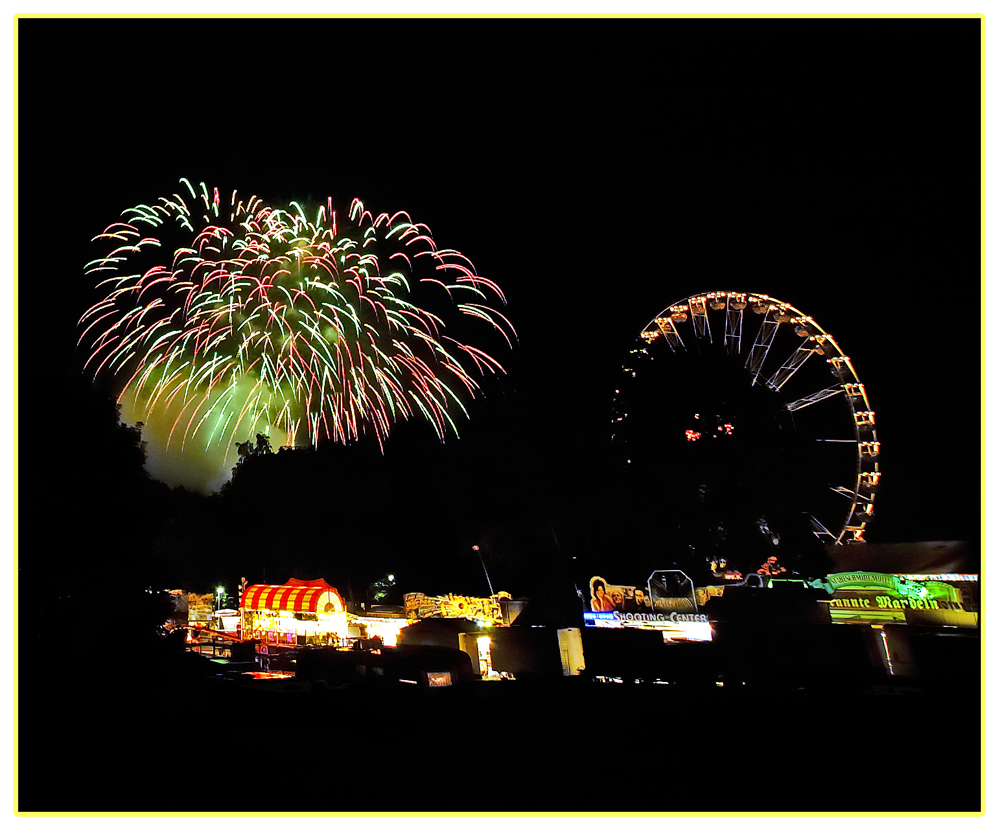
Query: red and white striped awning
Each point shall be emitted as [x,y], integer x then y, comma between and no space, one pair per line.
[292,598]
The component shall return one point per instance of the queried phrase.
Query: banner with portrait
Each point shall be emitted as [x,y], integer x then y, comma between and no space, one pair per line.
[666,602]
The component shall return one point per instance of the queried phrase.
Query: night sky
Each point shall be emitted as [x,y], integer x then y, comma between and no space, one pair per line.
[597,170]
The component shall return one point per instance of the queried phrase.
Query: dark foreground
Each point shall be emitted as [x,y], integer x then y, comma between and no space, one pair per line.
[176,743]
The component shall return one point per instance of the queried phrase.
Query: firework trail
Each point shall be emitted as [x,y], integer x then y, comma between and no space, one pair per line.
[218,320]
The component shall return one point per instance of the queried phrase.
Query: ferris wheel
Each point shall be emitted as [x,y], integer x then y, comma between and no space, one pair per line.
[730,385]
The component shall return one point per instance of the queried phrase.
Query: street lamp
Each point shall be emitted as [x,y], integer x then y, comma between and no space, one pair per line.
[219,591]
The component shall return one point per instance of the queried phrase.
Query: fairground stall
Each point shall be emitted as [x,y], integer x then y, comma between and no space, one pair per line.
[298,613]
[898,611]
[496,610]
[309,613]
[667,603]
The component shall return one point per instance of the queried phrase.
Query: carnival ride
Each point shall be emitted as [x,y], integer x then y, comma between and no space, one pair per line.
[745,394]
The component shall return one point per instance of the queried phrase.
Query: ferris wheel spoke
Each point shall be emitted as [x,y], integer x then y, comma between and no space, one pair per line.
[670,334]
[820,530]
[761,346]
[815,397]
[735,305]
[790,367]
[699,318]
[854,496]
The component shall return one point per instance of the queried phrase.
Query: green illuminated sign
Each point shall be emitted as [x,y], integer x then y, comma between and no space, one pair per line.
[914,594]
[884,601]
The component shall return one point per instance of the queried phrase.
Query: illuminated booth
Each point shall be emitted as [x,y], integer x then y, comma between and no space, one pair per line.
[914,618]
[668,603]
[916,584]
[875,598]
[369,627]
[298,613]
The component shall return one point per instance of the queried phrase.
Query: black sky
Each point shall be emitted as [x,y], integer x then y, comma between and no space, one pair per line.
[598,170]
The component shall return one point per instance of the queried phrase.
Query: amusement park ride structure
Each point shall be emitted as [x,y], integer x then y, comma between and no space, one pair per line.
[745,329]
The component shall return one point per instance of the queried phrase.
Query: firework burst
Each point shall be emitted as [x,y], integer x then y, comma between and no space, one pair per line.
[220,318]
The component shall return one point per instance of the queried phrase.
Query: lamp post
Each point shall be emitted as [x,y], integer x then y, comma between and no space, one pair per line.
[483,564]
[219,591]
